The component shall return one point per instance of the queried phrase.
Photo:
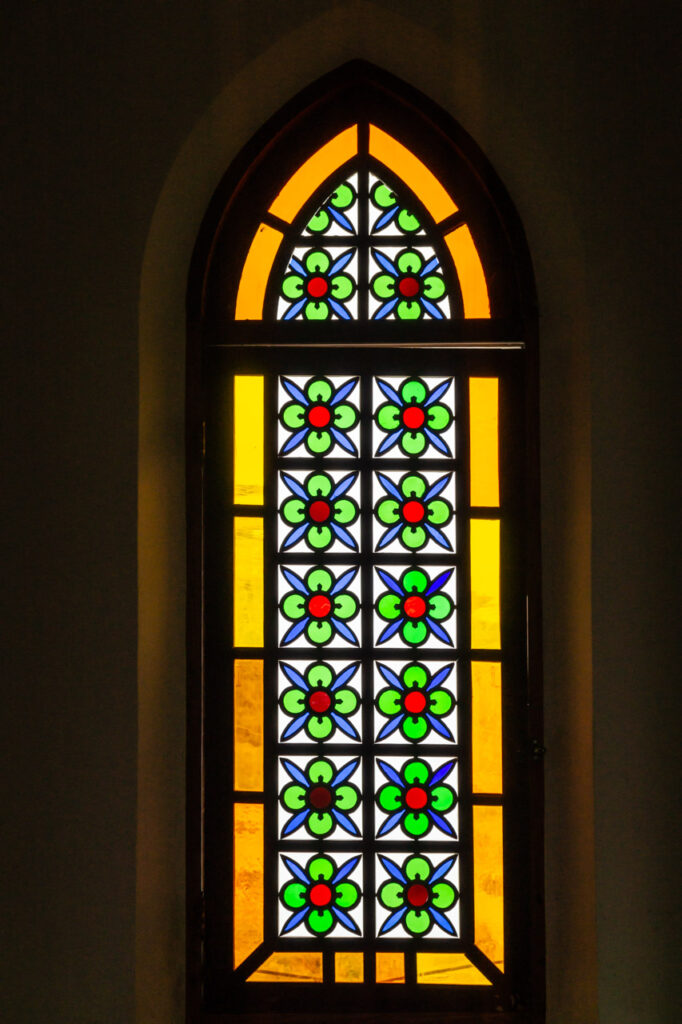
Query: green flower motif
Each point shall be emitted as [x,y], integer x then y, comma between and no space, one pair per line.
[417,894]
[409,285]
[318,511]
[413,512]
[413,417]
[416,798]
[316,286]
[415,702]
[415,606]
[320,895]
[319,701]
[319,606]
[320,797]
[333,211]
[386,201]
[318,416]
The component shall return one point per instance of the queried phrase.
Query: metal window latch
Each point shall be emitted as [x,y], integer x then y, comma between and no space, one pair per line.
[537,751]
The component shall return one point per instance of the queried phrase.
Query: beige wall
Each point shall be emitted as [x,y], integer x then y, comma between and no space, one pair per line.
[122,118]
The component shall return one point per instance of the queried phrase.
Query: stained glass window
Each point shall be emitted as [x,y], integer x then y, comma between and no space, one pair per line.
[364,623]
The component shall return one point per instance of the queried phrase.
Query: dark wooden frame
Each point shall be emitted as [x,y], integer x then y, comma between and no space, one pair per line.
[505,345]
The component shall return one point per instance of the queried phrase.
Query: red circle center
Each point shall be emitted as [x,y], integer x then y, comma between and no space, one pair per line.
[320,797]
[319,701]
[319,606]
[415,702]
[413,417]
[319,511]
[319,416]
[417,895]
[321,895]
[413,511]
[414,606]
[409,287]
[317,287]
[416,798]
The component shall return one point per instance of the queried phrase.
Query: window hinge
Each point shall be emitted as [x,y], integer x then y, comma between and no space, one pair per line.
[537,751]
[202,912]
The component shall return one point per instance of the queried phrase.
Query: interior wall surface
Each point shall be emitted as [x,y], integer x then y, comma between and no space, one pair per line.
[121,119]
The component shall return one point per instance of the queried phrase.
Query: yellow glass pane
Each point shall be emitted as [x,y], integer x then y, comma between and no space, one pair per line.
[248,725]
[390,968]
[255,273]
[489,883]
[248,880]
[413,172]
[448,969]
[248,582]
[290,967]
[470,273]
[484,441]
[349,966]
[486,726]
[248,440]
[485,584]
[313,172]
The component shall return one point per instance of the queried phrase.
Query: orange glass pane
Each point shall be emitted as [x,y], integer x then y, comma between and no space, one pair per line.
[290,967]
[484,441]
[448,969]
[486,726]
[248,725]
[413,172]
[485,583]
[313,172]
[248,880]
[390,968]
[489,883]
[470,273]
[349,967]
[248,440]
[255,273]
[248,582]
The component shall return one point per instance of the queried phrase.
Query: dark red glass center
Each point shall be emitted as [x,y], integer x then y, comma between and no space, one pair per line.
[416,798]
[320,511]
[414,606]
[417,895]
[408,287]
[415,702]
[319,606]
[413,417]
[413,511]
[320,797]
[319,416]
[319,702]
[317,287]
[321,895]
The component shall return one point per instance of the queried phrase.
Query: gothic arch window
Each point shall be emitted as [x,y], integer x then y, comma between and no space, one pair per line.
[364,694]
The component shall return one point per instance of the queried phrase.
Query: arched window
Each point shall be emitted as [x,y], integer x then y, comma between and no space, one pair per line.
[364,637]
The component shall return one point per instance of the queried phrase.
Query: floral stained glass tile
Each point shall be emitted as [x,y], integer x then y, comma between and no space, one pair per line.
[415,702]
[413,417]
[319,511]
[417,895]
[320,895]
[414,511]
[416,798]
[319,797]
[388,214]
[407,284]
[318,606]
[338,214]
[319,702]
[320,283]
[414,606]
[318,417]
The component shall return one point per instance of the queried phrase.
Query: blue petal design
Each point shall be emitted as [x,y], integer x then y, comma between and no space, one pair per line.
[340,218]
[344,580]
[442,869]
[294,822]
[295,772]
[295,919]
[435,312]
[387,537]
[295,726]
[294,486]
[390,676]
[295,535]
[389,631]
[442,773]
[391,726]
[394,919]
[295,870]
[294,440]
[344,870]
[344,536]
[439,677]
[344,390]
[391,774]
[390,582]
[438,536]
[384,310]
[344,631]
[438,726]
[339,309]
[340,262]
[437,441]
[345,772]
[389,392]
[441,823]
[442,921]
[438,631]
[344,441]
[384,262]
[344,677]
[389,486]
[295,309]
[296,265]
[390,823]
[294,676]
[392,869]
[436,487]
[295,631]
[295,581]
[345,726]
[386,217]
[428,266]
[439,582]
[345,822]
[437,393]
[343,486]
[389,441]
[345,919]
